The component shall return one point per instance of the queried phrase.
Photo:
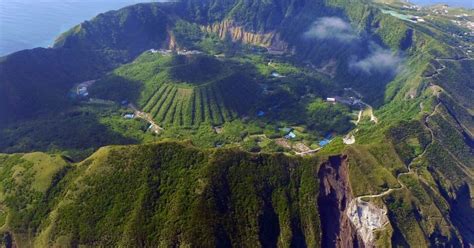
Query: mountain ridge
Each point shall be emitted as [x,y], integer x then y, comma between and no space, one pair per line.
[417,146]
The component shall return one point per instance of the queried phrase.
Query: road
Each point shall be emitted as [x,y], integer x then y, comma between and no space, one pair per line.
[410,170]
[433,138]
[147,117]
[443,67]
[307,152]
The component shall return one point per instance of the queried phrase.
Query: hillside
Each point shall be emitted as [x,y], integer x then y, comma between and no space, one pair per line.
[175,195]
[183,90]
[300,123]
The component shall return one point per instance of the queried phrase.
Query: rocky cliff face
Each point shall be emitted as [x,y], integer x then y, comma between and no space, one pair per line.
[366,218]
[334,198]
[227,29]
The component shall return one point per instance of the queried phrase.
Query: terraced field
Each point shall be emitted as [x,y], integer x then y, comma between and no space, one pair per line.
[213,103]
[183,90]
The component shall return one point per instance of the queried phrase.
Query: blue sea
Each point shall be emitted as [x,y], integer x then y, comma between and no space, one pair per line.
[28,24]
[36,23]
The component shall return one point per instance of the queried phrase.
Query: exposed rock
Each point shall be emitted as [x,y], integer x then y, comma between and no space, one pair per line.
[349,139]
[366,218]
[227,29]
[335,194]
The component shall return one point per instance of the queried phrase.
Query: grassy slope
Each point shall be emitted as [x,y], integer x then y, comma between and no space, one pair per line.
[401,122]
[38,80]
[174,194]
[183,90]
[407,206]
[27,183]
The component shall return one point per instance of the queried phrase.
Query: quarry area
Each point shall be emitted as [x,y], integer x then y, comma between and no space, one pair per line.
[366,218]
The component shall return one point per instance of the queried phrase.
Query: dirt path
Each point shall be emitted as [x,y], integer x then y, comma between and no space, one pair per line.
[369,108]
[366,216]
[410,170]
[433,138]
[359,117]
[307,152]
[443,66]
[147,117]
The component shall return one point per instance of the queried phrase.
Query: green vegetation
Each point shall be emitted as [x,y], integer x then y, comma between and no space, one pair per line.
[327,117]
[182,90]
[29,186]
[171,194]
[226,99]
[76,133]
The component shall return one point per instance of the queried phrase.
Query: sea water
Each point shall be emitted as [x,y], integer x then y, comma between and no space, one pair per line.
[28,24]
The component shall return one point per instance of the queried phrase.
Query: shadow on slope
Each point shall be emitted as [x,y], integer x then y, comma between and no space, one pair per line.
[76,133]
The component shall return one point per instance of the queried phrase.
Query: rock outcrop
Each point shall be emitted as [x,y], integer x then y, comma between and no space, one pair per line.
[366,218]
[228,29]
[335,194]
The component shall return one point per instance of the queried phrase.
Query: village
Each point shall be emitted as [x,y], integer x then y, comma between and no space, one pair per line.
[292,139]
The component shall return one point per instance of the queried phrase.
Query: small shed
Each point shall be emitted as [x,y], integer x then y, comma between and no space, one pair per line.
[277,75]
[290,135]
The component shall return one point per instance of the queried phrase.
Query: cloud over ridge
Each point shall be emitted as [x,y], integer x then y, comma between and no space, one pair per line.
[379,60]
[331,28]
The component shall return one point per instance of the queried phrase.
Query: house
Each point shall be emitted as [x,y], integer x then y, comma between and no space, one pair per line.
[129,116]
[290,135]
[331,99]
[327,139]
[81,90]
[186,52]
[275,51]
[277,75]
[218,129]
[324,142]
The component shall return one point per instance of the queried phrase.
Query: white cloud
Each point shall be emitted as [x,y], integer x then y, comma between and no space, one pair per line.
[379,60]
[331,28]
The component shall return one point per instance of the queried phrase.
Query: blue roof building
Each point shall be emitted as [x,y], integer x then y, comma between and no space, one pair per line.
[290,135]
[260,113]
[324,142]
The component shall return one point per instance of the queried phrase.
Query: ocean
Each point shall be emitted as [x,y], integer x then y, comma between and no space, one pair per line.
[28,24]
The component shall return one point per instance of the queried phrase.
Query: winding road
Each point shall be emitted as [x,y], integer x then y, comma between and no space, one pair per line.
[425,122]
[410,170]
